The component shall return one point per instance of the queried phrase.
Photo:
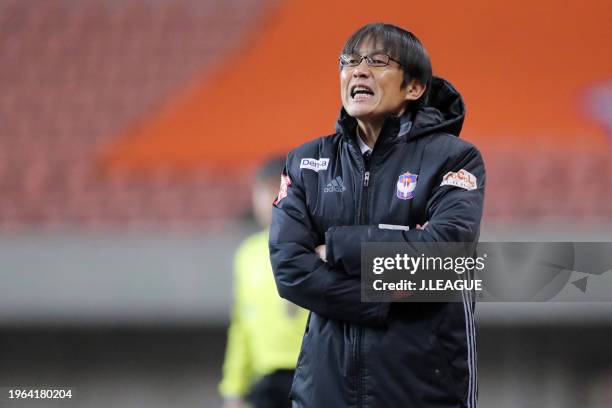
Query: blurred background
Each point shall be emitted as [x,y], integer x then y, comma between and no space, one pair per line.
[129,132]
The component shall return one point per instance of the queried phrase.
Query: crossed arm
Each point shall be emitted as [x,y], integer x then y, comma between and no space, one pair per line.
[325,278]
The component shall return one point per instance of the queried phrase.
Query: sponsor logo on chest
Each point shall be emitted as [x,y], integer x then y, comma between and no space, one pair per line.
[335,186]
[314,164]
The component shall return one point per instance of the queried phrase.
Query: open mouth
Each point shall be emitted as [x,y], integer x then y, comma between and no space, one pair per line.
[360,92]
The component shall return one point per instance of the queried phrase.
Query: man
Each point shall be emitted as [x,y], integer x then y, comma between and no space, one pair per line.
[391,167]
[265,331]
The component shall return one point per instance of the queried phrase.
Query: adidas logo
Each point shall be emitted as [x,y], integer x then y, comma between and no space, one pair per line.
[335,186]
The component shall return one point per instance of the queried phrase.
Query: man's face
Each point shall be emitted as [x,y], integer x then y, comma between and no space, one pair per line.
[382,95]
[262,198]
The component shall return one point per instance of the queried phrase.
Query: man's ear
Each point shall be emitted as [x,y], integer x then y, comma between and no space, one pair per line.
[414,90]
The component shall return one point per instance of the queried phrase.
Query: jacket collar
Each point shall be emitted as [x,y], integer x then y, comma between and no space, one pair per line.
[393,127]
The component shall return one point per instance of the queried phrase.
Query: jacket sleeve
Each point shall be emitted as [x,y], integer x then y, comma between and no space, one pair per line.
[301,276]
[453,215]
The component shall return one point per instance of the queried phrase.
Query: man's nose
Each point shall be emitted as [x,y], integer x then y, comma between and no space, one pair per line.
[362,70]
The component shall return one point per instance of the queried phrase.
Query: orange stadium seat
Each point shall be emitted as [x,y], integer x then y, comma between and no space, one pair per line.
[88,80]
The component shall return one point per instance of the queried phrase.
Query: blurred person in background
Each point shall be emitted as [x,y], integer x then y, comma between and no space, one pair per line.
[265,331]
[395,164]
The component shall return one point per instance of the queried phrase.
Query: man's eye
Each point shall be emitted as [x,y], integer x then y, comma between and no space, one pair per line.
[379,59]
[350,59]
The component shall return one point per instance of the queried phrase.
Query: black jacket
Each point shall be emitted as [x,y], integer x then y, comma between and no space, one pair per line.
[359,354]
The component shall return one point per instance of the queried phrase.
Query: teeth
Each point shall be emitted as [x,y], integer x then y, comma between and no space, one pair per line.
[359,88]
[364,91]
[362,96]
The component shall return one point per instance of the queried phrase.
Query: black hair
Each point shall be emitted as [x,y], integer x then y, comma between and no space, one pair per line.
[270,170]
[401,45]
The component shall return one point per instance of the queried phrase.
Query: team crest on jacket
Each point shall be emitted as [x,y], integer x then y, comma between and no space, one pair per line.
[284,185]
[406,184]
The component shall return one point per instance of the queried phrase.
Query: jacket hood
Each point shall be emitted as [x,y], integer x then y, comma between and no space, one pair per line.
[444,112]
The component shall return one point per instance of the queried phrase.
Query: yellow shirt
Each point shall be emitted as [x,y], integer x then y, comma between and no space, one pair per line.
[266,331]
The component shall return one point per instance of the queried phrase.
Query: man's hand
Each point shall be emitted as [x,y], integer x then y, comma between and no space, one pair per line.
[322,252]
[422,227]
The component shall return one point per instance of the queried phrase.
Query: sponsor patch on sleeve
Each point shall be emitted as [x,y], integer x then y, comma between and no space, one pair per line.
[284,186]
[462,179]
[314,164]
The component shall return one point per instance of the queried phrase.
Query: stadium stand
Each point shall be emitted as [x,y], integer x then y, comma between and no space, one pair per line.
[138,319]
[76,75]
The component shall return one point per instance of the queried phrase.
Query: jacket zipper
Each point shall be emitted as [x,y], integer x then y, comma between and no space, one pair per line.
[359,340]
[364,198]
